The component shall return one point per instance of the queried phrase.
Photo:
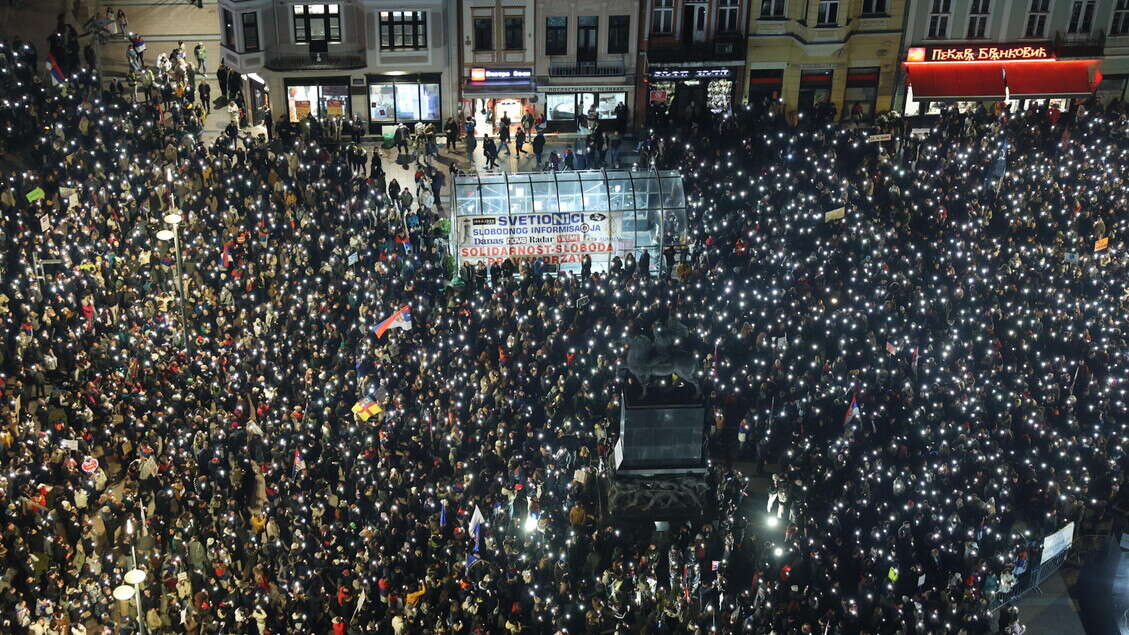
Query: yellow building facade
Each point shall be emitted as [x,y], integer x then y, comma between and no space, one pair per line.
[809,54]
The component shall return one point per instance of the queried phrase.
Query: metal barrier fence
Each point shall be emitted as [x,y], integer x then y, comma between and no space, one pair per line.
[1080,552]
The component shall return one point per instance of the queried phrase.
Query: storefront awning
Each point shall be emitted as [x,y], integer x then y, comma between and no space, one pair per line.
[1065,78]
[966,81]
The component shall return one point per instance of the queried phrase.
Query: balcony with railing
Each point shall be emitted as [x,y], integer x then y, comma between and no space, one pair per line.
[1090,44]
[586,69]
[722,48]
[335,60]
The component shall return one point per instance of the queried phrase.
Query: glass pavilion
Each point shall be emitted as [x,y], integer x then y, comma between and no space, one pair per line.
[563,216]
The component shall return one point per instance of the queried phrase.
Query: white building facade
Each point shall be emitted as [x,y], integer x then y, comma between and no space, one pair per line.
[498,54]
[382,61]
[586,62]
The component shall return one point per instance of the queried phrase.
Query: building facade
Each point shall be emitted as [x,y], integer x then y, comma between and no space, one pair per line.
[382,61]
[1026,51]
[586,60]
[692,56]
[497,56]
[812,54]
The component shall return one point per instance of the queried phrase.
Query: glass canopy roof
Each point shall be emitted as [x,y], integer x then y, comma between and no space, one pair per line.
[564,217]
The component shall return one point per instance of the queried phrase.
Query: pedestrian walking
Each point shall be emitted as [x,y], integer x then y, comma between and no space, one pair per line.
[538,146]
[471,146]
[201,54]
[490,152]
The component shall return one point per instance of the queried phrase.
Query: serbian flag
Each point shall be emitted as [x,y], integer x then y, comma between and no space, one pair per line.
[401,319]
[225,255]
[852,411]
[56,72]
[366,408]
[299,462]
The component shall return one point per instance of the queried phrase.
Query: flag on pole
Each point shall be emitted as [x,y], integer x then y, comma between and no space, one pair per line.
[852,410]
[443,514]
[299,462]
[890,348]
[471,559]
[400,319]
[365,408]
[477,520]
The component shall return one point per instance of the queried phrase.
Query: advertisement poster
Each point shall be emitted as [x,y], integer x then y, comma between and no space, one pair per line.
[558,237]
[301,108]
[334,108]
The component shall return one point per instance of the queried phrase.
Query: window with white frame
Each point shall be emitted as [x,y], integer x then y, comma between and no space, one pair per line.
[317,22]
[1037,18]
[1081,16]
[727,16]
[773,8]
[828,13]
[1120,25]
[873,7]
[662,18]
[939,14]
[978,12]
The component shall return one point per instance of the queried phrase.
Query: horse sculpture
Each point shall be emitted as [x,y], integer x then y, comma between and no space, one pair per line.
[661,355]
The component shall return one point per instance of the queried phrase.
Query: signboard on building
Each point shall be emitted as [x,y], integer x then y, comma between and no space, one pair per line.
[558,237]
[705,72]
[481,76]
[980,53]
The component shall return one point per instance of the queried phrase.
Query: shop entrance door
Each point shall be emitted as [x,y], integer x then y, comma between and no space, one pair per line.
[694,22]
[512,108]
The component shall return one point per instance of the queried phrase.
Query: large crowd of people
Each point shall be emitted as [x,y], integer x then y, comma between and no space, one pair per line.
[937,369]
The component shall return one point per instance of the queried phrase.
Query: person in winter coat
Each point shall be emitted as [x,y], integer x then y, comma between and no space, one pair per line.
[538,146]
[490,152]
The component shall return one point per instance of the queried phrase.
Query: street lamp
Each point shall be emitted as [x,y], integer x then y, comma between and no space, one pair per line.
[173,234]
[133,578]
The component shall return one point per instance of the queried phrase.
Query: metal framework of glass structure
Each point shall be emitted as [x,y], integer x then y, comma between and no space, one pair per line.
[561,216]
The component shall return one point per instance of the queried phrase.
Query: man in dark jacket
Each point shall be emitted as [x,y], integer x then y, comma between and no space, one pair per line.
[490,151]
[519,140]
[538,146]
[206,96]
